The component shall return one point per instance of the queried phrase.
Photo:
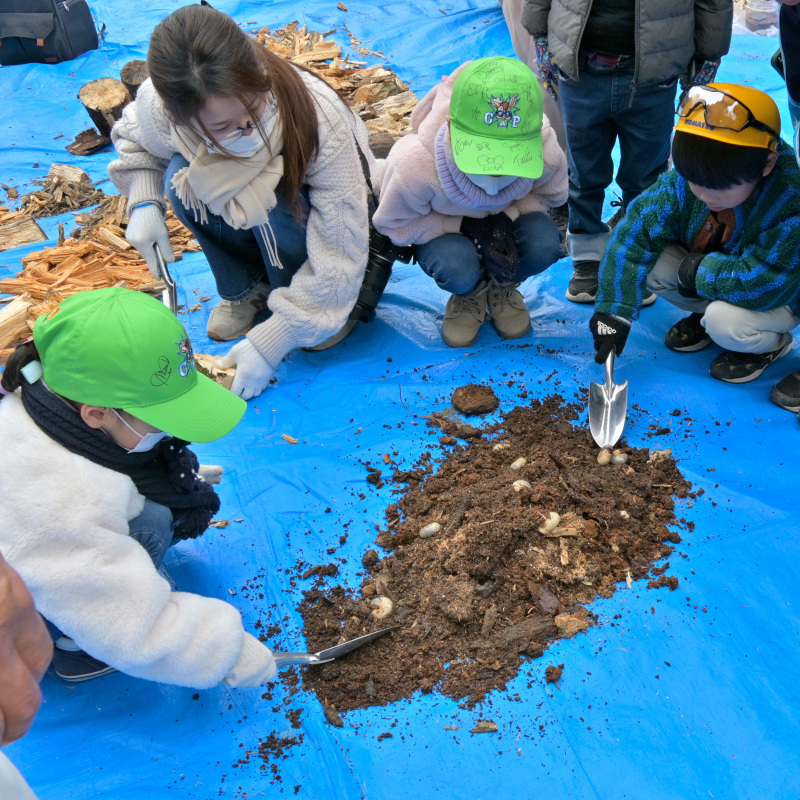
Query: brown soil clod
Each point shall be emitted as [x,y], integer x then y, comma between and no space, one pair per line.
[474,398]
[490,590]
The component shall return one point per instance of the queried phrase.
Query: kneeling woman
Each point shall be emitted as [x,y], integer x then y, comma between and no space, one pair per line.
[98,481]
[260,160]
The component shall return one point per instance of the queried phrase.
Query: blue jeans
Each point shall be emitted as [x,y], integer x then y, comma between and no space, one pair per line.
[604,105]
[453,262]
[239,259]
[153,530]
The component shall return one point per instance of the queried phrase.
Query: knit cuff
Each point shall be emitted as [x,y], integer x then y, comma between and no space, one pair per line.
[256,665]
[146,186]
[273,338]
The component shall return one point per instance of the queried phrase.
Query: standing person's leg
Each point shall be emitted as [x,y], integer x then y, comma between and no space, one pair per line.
[453,262]
[235,260]
[586,105]
[644,121]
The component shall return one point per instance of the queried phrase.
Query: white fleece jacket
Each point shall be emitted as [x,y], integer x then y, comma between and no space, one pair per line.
[414,205]
[322,293]
[64,528]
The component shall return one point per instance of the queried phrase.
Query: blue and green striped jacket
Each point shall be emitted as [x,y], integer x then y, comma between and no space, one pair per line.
[758,269]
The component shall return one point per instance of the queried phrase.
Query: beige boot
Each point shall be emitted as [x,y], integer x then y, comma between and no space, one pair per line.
[233,318]
[464,315]
[510,315]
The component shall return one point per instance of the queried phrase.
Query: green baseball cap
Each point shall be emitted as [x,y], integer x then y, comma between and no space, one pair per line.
[496,119]
[125,349]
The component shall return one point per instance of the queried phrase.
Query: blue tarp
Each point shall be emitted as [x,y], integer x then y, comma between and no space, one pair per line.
[685,694]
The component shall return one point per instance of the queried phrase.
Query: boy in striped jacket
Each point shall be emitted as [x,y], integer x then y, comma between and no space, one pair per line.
[717,236]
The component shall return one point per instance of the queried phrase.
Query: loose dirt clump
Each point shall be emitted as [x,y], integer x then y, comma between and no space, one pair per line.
[474,398]
[521,529]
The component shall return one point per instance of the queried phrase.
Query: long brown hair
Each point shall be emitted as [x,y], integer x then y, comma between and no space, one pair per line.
[198,52]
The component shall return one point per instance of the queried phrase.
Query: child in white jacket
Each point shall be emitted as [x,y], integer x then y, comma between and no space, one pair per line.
[97,482]
[471,187]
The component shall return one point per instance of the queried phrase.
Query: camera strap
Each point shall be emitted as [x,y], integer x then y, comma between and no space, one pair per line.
[365,169]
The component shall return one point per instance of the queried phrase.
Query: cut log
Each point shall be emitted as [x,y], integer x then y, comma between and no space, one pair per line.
[104,100]
[14,321]
[20,231]
[68,173]
[133,75]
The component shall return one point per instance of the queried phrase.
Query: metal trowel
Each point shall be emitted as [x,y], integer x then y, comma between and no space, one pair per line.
[170,294]
[324,656]
[608,406]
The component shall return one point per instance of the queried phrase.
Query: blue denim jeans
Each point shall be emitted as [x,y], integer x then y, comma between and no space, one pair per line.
[604,105]
[239,259]
[453,262]
[153,530]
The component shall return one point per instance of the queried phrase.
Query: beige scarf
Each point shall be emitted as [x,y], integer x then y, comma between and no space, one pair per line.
[241,191]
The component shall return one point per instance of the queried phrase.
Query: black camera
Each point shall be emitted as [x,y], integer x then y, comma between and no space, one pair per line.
[382,255]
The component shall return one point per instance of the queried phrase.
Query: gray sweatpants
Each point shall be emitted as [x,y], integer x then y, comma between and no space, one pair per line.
[730,326]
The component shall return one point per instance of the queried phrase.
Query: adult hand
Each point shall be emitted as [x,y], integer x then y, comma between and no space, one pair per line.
[687,274]
[210,473]
[610,333]
[147,227]
[25,653]
[253,371]
[703,74]
[256,665]
[495,240]
[548,70]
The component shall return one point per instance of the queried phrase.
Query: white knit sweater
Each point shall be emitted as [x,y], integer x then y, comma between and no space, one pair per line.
[323,292]
[64,529]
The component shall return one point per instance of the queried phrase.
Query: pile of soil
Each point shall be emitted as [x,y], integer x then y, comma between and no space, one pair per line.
[491,555]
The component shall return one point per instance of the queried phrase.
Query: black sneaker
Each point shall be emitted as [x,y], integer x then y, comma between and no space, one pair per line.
[786,392]
[688,335]
[77,665]
[583,284]
[733,367]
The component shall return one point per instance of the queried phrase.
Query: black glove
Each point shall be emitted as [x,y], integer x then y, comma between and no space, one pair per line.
[687,275]
[609,333]
[496,242]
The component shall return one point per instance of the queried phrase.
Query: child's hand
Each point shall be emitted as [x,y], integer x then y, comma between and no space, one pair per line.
[699,74]
[253,371]
[687,275]
[548,70]
[610,333]
[210,473]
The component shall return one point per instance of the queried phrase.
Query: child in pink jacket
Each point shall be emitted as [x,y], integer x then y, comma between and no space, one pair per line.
[470,189]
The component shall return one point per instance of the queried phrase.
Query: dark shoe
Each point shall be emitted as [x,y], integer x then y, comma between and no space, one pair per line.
[77,665]
[688,335]
[583,284]
[733,367]
[786,392]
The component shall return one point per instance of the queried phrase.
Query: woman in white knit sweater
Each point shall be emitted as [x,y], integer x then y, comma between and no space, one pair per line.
[260,159]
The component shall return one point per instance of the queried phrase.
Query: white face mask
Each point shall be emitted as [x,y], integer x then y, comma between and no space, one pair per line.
[491,184]
[147,441]
[245,146]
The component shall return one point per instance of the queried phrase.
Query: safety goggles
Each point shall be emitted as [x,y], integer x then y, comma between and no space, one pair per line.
[720,110]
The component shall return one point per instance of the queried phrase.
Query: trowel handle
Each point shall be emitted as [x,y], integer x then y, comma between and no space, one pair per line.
[610,366]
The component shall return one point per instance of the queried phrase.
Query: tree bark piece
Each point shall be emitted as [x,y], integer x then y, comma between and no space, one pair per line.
[133,75]
[104,100]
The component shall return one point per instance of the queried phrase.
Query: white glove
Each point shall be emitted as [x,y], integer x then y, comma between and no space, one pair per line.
[256,665]
[253,371]
[210,473]
[147,227]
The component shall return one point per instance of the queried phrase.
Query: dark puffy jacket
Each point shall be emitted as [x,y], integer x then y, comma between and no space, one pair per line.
[669,33]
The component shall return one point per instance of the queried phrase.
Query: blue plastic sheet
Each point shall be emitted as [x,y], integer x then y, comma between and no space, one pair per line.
[685,694]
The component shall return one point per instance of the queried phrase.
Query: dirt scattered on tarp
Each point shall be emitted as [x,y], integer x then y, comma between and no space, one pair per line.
[492,554]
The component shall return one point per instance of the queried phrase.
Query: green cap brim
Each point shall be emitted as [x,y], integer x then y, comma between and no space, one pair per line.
[525,159]
[208,411]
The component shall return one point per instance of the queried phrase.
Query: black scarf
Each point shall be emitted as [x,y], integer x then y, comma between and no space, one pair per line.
[167,474]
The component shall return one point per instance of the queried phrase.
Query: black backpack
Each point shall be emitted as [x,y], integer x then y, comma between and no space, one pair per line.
[45,31]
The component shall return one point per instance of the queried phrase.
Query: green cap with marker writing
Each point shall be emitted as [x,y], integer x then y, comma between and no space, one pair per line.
[496,119]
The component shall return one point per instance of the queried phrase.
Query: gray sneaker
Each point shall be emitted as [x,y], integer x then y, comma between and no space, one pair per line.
[464,315]
[233,318]
[510,315]
[336,338]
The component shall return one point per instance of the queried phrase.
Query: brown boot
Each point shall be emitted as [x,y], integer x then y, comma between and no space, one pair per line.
[510,315]
[464,315]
